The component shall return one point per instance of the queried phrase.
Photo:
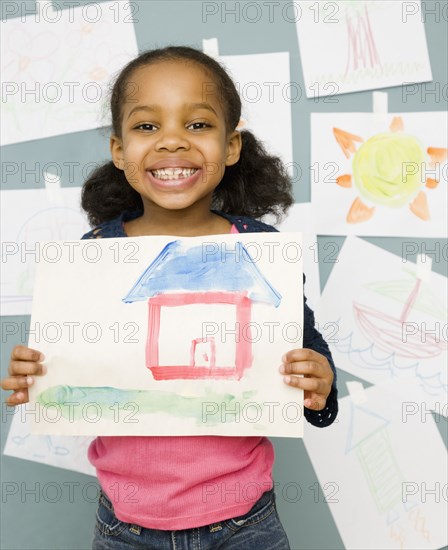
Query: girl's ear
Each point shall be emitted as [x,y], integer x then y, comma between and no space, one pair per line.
[116,150]
[233,148]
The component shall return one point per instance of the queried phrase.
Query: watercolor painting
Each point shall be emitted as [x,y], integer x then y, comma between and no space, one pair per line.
[387,174]
[188,329]
[177,278]
[378,175]
[29,217]
[56,69]
[348,46]
[391,323]
[383,457]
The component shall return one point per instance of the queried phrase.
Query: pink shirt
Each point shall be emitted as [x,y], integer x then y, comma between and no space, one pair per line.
[174,483]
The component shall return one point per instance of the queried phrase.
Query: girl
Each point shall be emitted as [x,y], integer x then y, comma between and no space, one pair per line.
[180,166]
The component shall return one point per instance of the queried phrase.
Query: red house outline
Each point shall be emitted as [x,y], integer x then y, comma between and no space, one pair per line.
[161,284]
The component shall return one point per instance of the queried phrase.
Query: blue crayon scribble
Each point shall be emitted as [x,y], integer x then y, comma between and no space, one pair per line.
[370,358]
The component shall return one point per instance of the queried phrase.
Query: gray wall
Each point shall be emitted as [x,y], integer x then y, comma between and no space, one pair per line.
[27,520]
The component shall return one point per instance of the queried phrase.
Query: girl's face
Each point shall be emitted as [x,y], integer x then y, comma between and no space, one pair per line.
[173,120]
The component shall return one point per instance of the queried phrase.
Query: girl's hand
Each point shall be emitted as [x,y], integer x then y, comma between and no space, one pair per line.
[318,376]
[24,363]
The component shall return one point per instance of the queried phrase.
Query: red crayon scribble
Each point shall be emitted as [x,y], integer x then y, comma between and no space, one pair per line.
[387,331]
[362,52]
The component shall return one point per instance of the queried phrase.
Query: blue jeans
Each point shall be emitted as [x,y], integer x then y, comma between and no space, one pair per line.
[259,529]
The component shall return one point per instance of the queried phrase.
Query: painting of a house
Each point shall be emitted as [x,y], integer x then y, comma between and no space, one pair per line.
[193,285]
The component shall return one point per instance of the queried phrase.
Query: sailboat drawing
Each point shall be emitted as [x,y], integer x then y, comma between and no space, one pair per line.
[387,331]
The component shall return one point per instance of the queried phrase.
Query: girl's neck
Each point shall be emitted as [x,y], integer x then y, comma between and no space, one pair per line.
[191,222]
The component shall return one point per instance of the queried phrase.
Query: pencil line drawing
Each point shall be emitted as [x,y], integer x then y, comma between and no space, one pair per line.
[362,51]
[390,348]
[68,63]
[386,331]
[69,452]
[368,436]
[47,224]
[366,47]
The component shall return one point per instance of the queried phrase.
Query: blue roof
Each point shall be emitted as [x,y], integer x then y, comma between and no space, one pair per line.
[201,268]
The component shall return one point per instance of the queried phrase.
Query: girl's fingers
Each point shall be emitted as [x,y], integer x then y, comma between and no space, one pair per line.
[17,368]
[18,398]
[302,354]
[22,353]
[17,382]
[310,368]
[24,365]
[309,384]
[315,403]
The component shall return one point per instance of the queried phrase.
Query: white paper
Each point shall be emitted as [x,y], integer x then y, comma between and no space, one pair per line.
[102,351]
[389,325]
[28,216]
[332,202]
[68,452]
[383,472]
[263,82]
[352,46]
[56,68]
[299,218]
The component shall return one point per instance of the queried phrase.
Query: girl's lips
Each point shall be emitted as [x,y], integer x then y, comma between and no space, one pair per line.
[177,184]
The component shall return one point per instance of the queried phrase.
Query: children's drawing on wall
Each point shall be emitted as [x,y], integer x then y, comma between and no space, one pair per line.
[378,171]
[386,331]
[391,322]
[362,52]
[67,58]
[392,173]
[29,218]
[375,458]
[348,46]
[198,323]
[68,452]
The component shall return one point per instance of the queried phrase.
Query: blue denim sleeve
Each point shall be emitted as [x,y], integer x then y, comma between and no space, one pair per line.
[312,339]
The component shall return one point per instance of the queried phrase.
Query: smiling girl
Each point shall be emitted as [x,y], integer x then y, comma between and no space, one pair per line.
[181,166]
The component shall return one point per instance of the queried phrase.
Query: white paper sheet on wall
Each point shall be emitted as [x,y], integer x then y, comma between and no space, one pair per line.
[56,68]
[68,452]
[27,217]
[350,46]
[391,323]
[380,174]
[384,474]
[263,82]
[106,317]
[299,218]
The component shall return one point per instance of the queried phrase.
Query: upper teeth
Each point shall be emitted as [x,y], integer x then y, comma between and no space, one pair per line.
[174,172]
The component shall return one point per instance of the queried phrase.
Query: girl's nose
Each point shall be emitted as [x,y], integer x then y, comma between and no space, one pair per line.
[172,139]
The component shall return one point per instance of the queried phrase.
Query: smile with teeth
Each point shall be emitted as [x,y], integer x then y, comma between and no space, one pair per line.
[173,173]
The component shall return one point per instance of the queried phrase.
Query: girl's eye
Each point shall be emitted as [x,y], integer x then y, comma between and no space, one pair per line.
[204,124]
[144,126]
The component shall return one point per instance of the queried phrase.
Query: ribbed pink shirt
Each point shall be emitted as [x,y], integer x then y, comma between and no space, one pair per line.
[174,483]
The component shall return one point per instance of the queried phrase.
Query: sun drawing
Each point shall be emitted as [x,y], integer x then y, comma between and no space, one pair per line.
[381,175]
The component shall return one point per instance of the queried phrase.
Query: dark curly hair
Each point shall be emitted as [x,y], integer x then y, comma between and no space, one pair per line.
[258,184]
